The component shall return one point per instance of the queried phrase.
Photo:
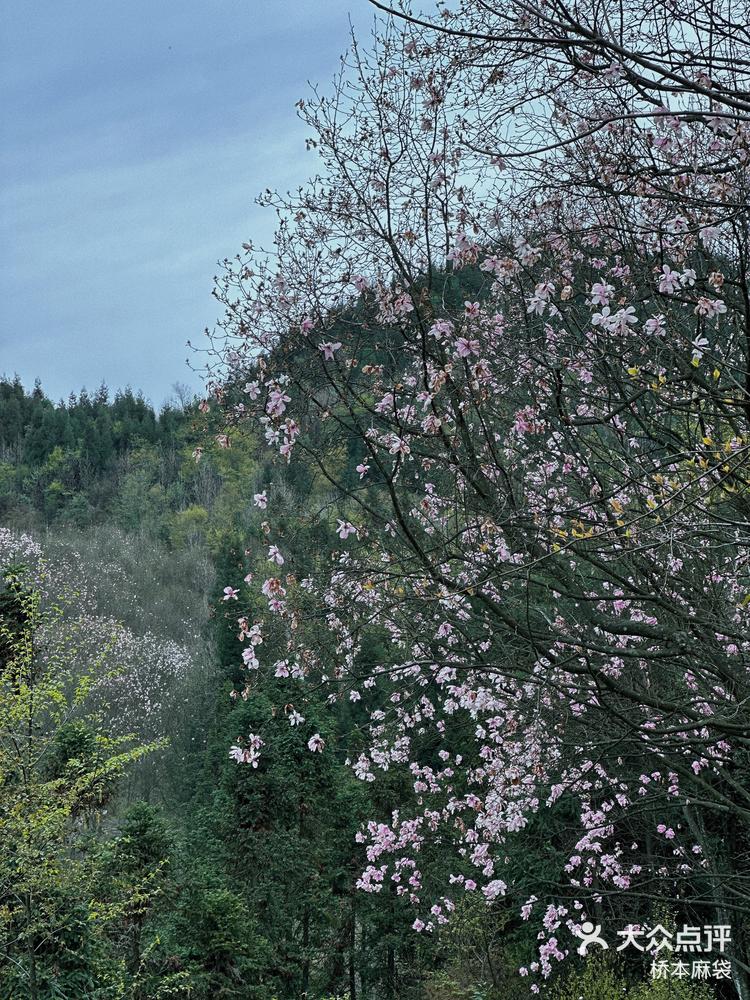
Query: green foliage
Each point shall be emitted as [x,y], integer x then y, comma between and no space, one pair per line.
[57,768]
[602,979]
[182,874]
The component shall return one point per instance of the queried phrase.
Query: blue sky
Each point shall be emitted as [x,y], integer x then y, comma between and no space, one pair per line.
[134,137]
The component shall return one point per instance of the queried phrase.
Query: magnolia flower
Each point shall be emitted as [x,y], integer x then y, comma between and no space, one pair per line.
[699,346]
[250,754]
[277,400]
[490,264]
[295,719]
[275,556]
[260,500]
[329,349]
[523,422]
[528,255]
[272,587]
[688,277]
[600,293]
[602,318]
[344,529]
[441,328]
[669,280]
[614,72]
[230,594]
[655,325]
[316,743]
[397,445]
[403,304]
[622,318]
[466,347]
[363,469]
[494,889]
[249,658]
[471,308]
[254,635]
[197,454]
[709,307]
[536,305]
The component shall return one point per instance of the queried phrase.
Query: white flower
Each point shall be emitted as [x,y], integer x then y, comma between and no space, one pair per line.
[600,293]
[275,556]
[699,346]
[316,743]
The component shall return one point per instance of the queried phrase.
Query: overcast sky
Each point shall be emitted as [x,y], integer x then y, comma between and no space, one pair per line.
[135,136]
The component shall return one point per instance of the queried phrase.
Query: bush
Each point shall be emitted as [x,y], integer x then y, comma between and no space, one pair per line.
[601,979]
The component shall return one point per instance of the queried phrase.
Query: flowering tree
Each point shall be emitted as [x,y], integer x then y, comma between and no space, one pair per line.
[508,324]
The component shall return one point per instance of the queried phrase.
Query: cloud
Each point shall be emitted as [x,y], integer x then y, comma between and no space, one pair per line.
[131,168]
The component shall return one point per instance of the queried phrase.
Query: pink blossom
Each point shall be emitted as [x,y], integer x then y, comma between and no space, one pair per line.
[710,307]
[441,328]
[466,347]
[403,304]
[329,349]
[669,280]
[277,400]
[249,658]
[494,889]
[601,293]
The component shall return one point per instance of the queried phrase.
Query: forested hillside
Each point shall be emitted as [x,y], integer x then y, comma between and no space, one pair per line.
[178,873]
[411,660]
[186,876]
